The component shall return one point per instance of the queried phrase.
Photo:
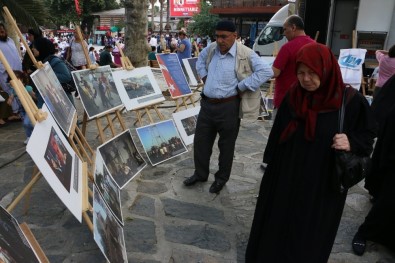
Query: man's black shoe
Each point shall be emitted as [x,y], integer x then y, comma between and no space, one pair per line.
[193,180]
[216,187]
[358,244]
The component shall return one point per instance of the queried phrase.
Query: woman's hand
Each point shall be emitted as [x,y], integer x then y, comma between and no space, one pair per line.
[340,142]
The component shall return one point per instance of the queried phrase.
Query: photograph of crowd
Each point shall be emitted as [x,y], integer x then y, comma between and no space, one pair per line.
[108,189]
[14,247]
[57,162]
[97,90]
[59,159]
[186,123]
[121,158]
[107,232]
[191,72]
[174,75]
[54,97]
[137,88]
[161,141]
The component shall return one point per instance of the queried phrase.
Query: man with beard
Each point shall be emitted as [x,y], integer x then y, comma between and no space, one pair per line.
[7,46]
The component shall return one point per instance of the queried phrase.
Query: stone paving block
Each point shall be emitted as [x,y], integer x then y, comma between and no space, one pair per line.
[153,173]
[241,245]
[184,210]
[201,236]
[140,236]
[143,206]
[151,187]
[183,256]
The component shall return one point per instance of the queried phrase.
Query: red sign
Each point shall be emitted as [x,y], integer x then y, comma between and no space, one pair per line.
[184,8]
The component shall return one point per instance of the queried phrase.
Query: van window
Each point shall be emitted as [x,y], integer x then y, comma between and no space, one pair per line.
[270,34]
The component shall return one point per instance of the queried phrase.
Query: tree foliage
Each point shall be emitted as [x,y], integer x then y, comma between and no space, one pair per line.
[204,22]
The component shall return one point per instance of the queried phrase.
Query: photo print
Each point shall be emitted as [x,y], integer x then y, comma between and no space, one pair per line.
[55,97]
[121,158]
[137,88]
[97,91]
[14,247]
[57,162]
[108,188]
[161,141]
[263,110]
[107,232]
[174,75]
[160,79]
[190,70]
[186,123]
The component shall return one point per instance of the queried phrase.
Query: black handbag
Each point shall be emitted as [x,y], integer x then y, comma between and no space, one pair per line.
[350,168]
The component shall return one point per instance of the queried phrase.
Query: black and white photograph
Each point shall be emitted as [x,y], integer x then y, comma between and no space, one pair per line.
[108,188]
[55,97]
[137,88]
[57,162]
[161,141]
[186,123]
[97,90]
[14,247]
[107,232]
[121,158]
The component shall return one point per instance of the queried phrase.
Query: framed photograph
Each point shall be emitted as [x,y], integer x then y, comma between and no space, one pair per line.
[59,105]
[108,188]
[121,158]
[160,79]
[186,123]
[14,246]
[161,141]
[191,72]
[174,75]
[58,163]
[263,110]
[137,88]
[97,90]
[107,232]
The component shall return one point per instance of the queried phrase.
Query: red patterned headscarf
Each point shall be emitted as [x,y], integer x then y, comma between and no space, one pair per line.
[327,97]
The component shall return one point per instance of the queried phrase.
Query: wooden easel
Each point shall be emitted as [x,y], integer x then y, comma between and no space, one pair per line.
[33,242]
[98,120]
[182,101]
[127,65]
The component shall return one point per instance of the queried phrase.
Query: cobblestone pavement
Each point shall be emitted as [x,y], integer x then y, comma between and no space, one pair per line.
[165,221]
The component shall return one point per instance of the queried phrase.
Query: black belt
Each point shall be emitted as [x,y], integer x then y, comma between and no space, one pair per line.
[218,101]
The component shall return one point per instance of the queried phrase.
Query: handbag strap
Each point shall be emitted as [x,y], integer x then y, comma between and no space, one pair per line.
[341,111]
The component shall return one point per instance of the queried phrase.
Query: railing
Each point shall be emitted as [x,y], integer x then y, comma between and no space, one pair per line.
[247,3]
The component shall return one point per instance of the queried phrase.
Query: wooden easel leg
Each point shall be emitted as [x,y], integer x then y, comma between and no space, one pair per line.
[25,190]
[149,115]
[191,99]
[184,102]
[118,113]
[84,121]
[110,124]
[138,118]
[158,112]
[100,129]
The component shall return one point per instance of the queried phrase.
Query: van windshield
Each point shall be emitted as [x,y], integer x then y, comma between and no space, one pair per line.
[270,34]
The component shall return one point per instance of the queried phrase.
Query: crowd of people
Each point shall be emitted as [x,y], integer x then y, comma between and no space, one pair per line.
[298,210]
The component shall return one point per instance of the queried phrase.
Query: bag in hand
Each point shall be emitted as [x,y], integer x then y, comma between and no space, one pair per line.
[350,168]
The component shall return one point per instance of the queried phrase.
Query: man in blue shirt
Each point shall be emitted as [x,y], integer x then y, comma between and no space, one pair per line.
[230,71]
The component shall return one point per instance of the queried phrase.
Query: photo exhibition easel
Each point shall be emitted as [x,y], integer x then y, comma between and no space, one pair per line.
[98,120]
[127,65]
[36,115]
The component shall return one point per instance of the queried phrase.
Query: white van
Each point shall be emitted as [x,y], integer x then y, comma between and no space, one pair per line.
[272,32]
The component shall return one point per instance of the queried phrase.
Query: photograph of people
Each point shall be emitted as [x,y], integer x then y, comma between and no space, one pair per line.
[97,91]
[108,188]
[107,233]
[299,208]
[59,159]
[54,97]
[161,141]
[138,86]
[121,158]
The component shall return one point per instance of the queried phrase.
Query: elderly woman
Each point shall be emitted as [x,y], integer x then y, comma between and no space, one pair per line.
[298,209]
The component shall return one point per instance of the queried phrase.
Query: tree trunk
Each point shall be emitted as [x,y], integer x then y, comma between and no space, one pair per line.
[152,15]
[161,17]
[136,44]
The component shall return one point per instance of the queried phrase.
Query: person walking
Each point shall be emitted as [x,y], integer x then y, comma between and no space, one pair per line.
[228,69]
[106,59]
[299,208]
